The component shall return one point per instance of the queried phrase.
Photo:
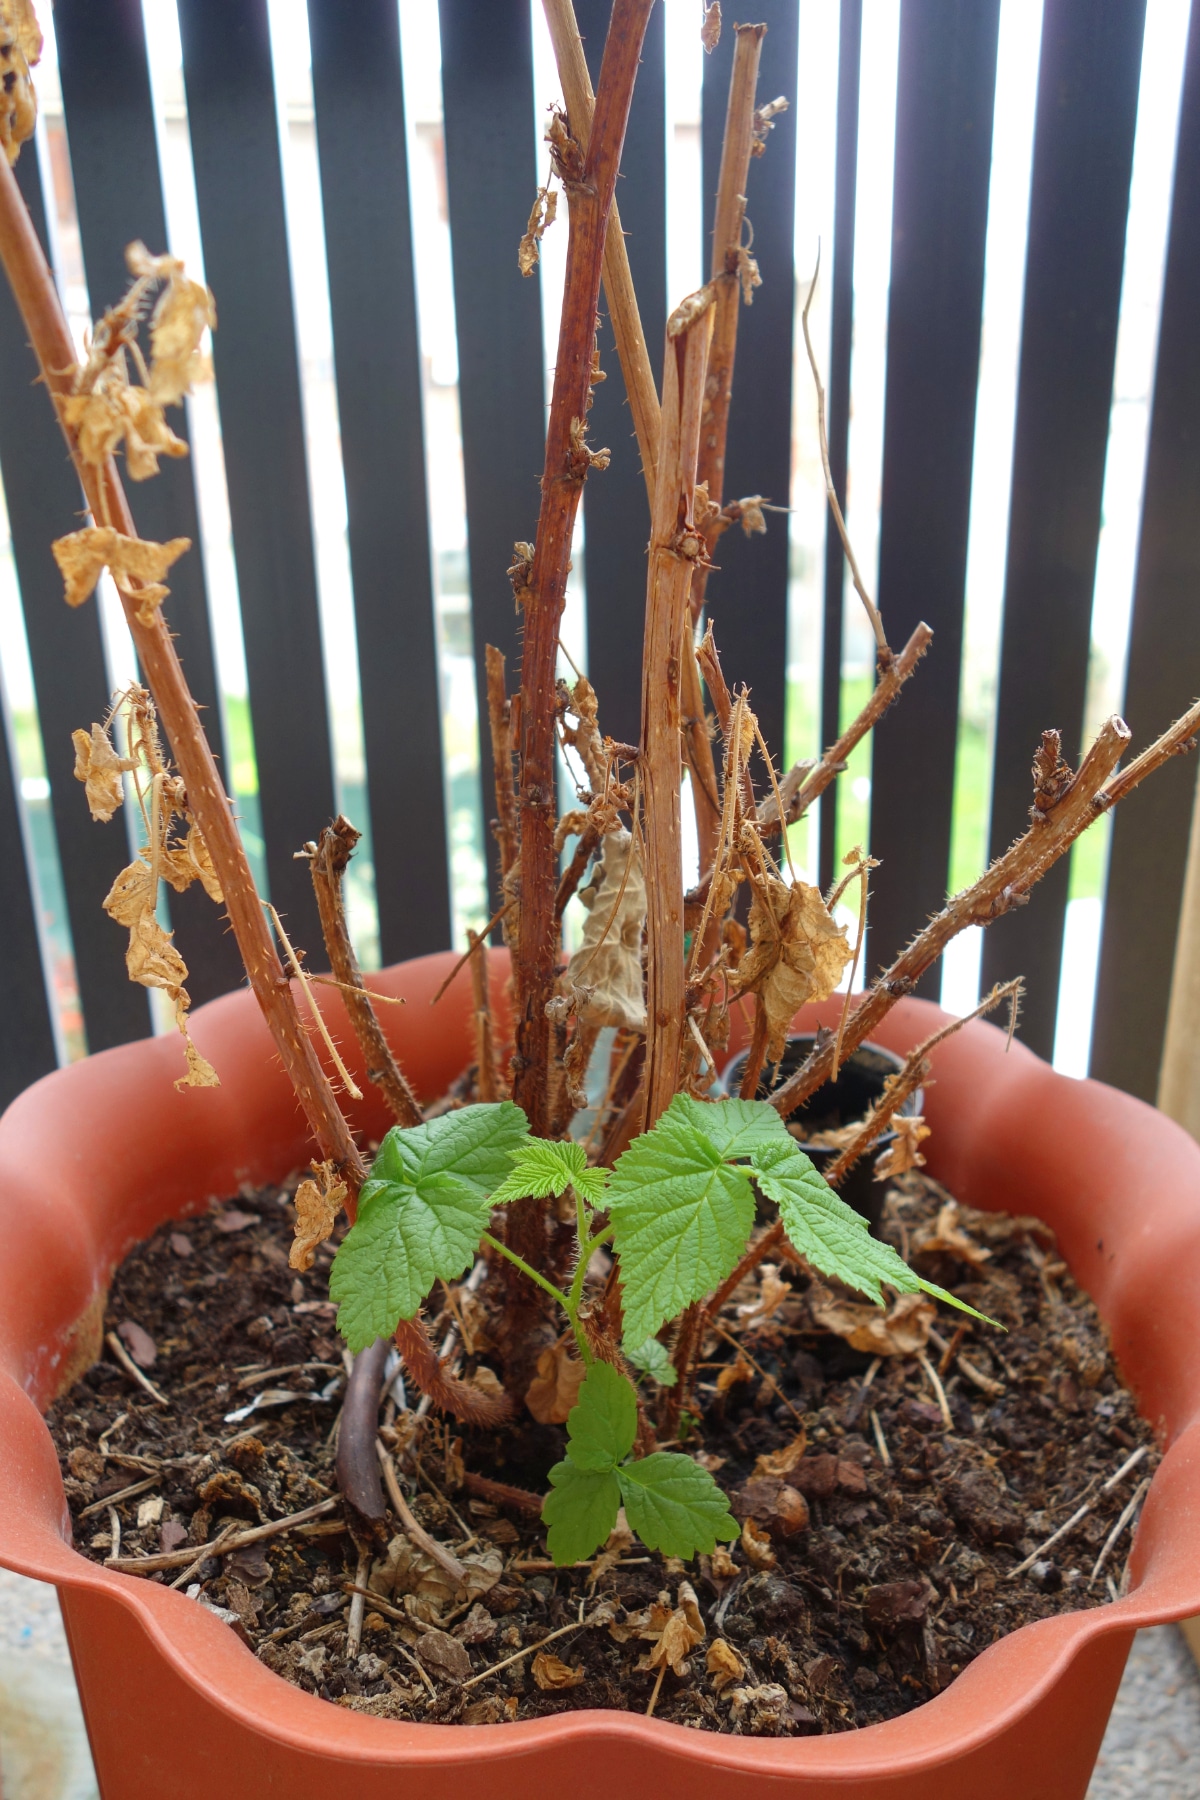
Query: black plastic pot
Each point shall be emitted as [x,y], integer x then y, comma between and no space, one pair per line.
[837,1103]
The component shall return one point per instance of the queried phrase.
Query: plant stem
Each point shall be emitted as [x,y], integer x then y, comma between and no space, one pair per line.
[674,545]
[1005,885]
[327,862]
[566,465]
[33,288]
[564,1300]
[643,402]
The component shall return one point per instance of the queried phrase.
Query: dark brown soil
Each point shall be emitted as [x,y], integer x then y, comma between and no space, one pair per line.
[902,1574]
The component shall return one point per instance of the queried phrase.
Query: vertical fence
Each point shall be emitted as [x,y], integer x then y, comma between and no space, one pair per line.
[103,151]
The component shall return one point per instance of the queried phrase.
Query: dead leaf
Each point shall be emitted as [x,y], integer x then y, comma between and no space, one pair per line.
[772,1503]
[554,1390]
[487,1381]
[318,1203]
[723,1566]
[673,1633]
[545,208]
[185,310]
[797,953]
[904,1153]
[190,861]
[708,1461]
[900,1331]
[20,50]
[619,1540]
[551,1673]
[724,1664]
[99,767]
[947,1237]
[443,1654]
[734,1372]
[82,555]
[771,1293]
[605,973]
[761,1711]
[710,31]
[782,1462]
[757,1545]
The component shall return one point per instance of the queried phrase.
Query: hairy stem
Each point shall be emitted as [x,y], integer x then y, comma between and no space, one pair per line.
[33,288]
[328,861]
[567,460]
[674,543]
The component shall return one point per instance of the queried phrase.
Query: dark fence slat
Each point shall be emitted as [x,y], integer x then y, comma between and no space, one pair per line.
[359,98]
[616,514]
[747,594]
[67,656]
[944,107]
[27,1047]
[841,297]
[491,178]
[747,597]
[1082,159]
[1150,830]
[118,197]
[239,189]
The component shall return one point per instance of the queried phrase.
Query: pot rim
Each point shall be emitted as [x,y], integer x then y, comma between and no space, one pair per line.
[83,1169]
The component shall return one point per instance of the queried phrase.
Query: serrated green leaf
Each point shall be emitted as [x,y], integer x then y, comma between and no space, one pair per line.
[830,1234]
[654,1359]
[931,1287]
[602,1424]
[541,1168]
[734,1128]
[674,1505]
[580,1510]
[420,1215]
[681,1215]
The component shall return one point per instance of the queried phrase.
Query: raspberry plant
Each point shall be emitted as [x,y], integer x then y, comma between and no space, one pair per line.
[677,1209]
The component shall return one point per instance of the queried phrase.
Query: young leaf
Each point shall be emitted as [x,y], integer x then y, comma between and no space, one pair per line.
[734,1128]
[580,1510]
[681,1215]
[541,1168]
[654,1359]
[602,1425]
[674,1505]
[420,1215]
[830,1234]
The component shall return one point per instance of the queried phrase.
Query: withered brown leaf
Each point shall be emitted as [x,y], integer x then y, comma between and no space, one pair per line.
[605,972]
[901,1331]
[100,769]
[710,31]
[903,1154]
[82,555]
[551,1673]
[673,1632]
[797,953]
[554,1390]
[545,209]
[318,1202]
[757,1545]
[20,50]
[724,1664]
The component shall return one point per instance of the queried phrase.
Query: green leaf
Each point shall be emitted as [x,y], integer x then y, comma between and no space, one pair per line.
[420,1215]
[580,1510]
[830,1234]
[931,1287]
[602,1424]
[681,1215]
[734,1128]
[674,1505]
[654,1359]
[541,1168]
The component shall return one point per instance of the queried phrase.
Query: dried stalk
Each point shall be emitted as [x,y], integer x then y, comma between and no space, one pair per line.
[1006,884]
[590,177]
[500,723]
[674,544]
[883,653]
[487,1078]
[33,288]
[643,399]
[736,150]
[328,859]
[573,874]
[886,690]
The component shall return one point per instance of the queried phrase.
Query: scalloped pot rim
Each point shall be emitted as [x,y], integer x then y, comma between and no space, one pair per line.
[94,1157]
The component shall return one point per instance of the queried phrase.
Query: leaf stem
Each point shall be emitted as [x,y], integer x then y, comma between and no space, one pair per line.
[568,1302]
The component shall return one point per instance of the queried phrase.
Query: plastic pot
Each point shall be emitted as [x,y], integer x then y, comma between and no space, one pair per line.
[95,1156]
[846,1101]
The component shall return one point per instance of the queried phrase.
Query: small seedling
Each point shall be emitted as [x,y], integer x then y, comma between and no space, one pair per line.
[677,1209]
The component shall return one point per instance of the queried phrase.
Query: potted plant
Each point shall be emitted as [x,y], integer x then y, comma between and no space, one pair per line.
[95,1158]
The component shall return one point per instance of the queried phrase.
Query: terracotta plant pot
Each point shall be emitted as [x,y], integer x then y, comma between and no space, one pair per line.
[95,1156]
